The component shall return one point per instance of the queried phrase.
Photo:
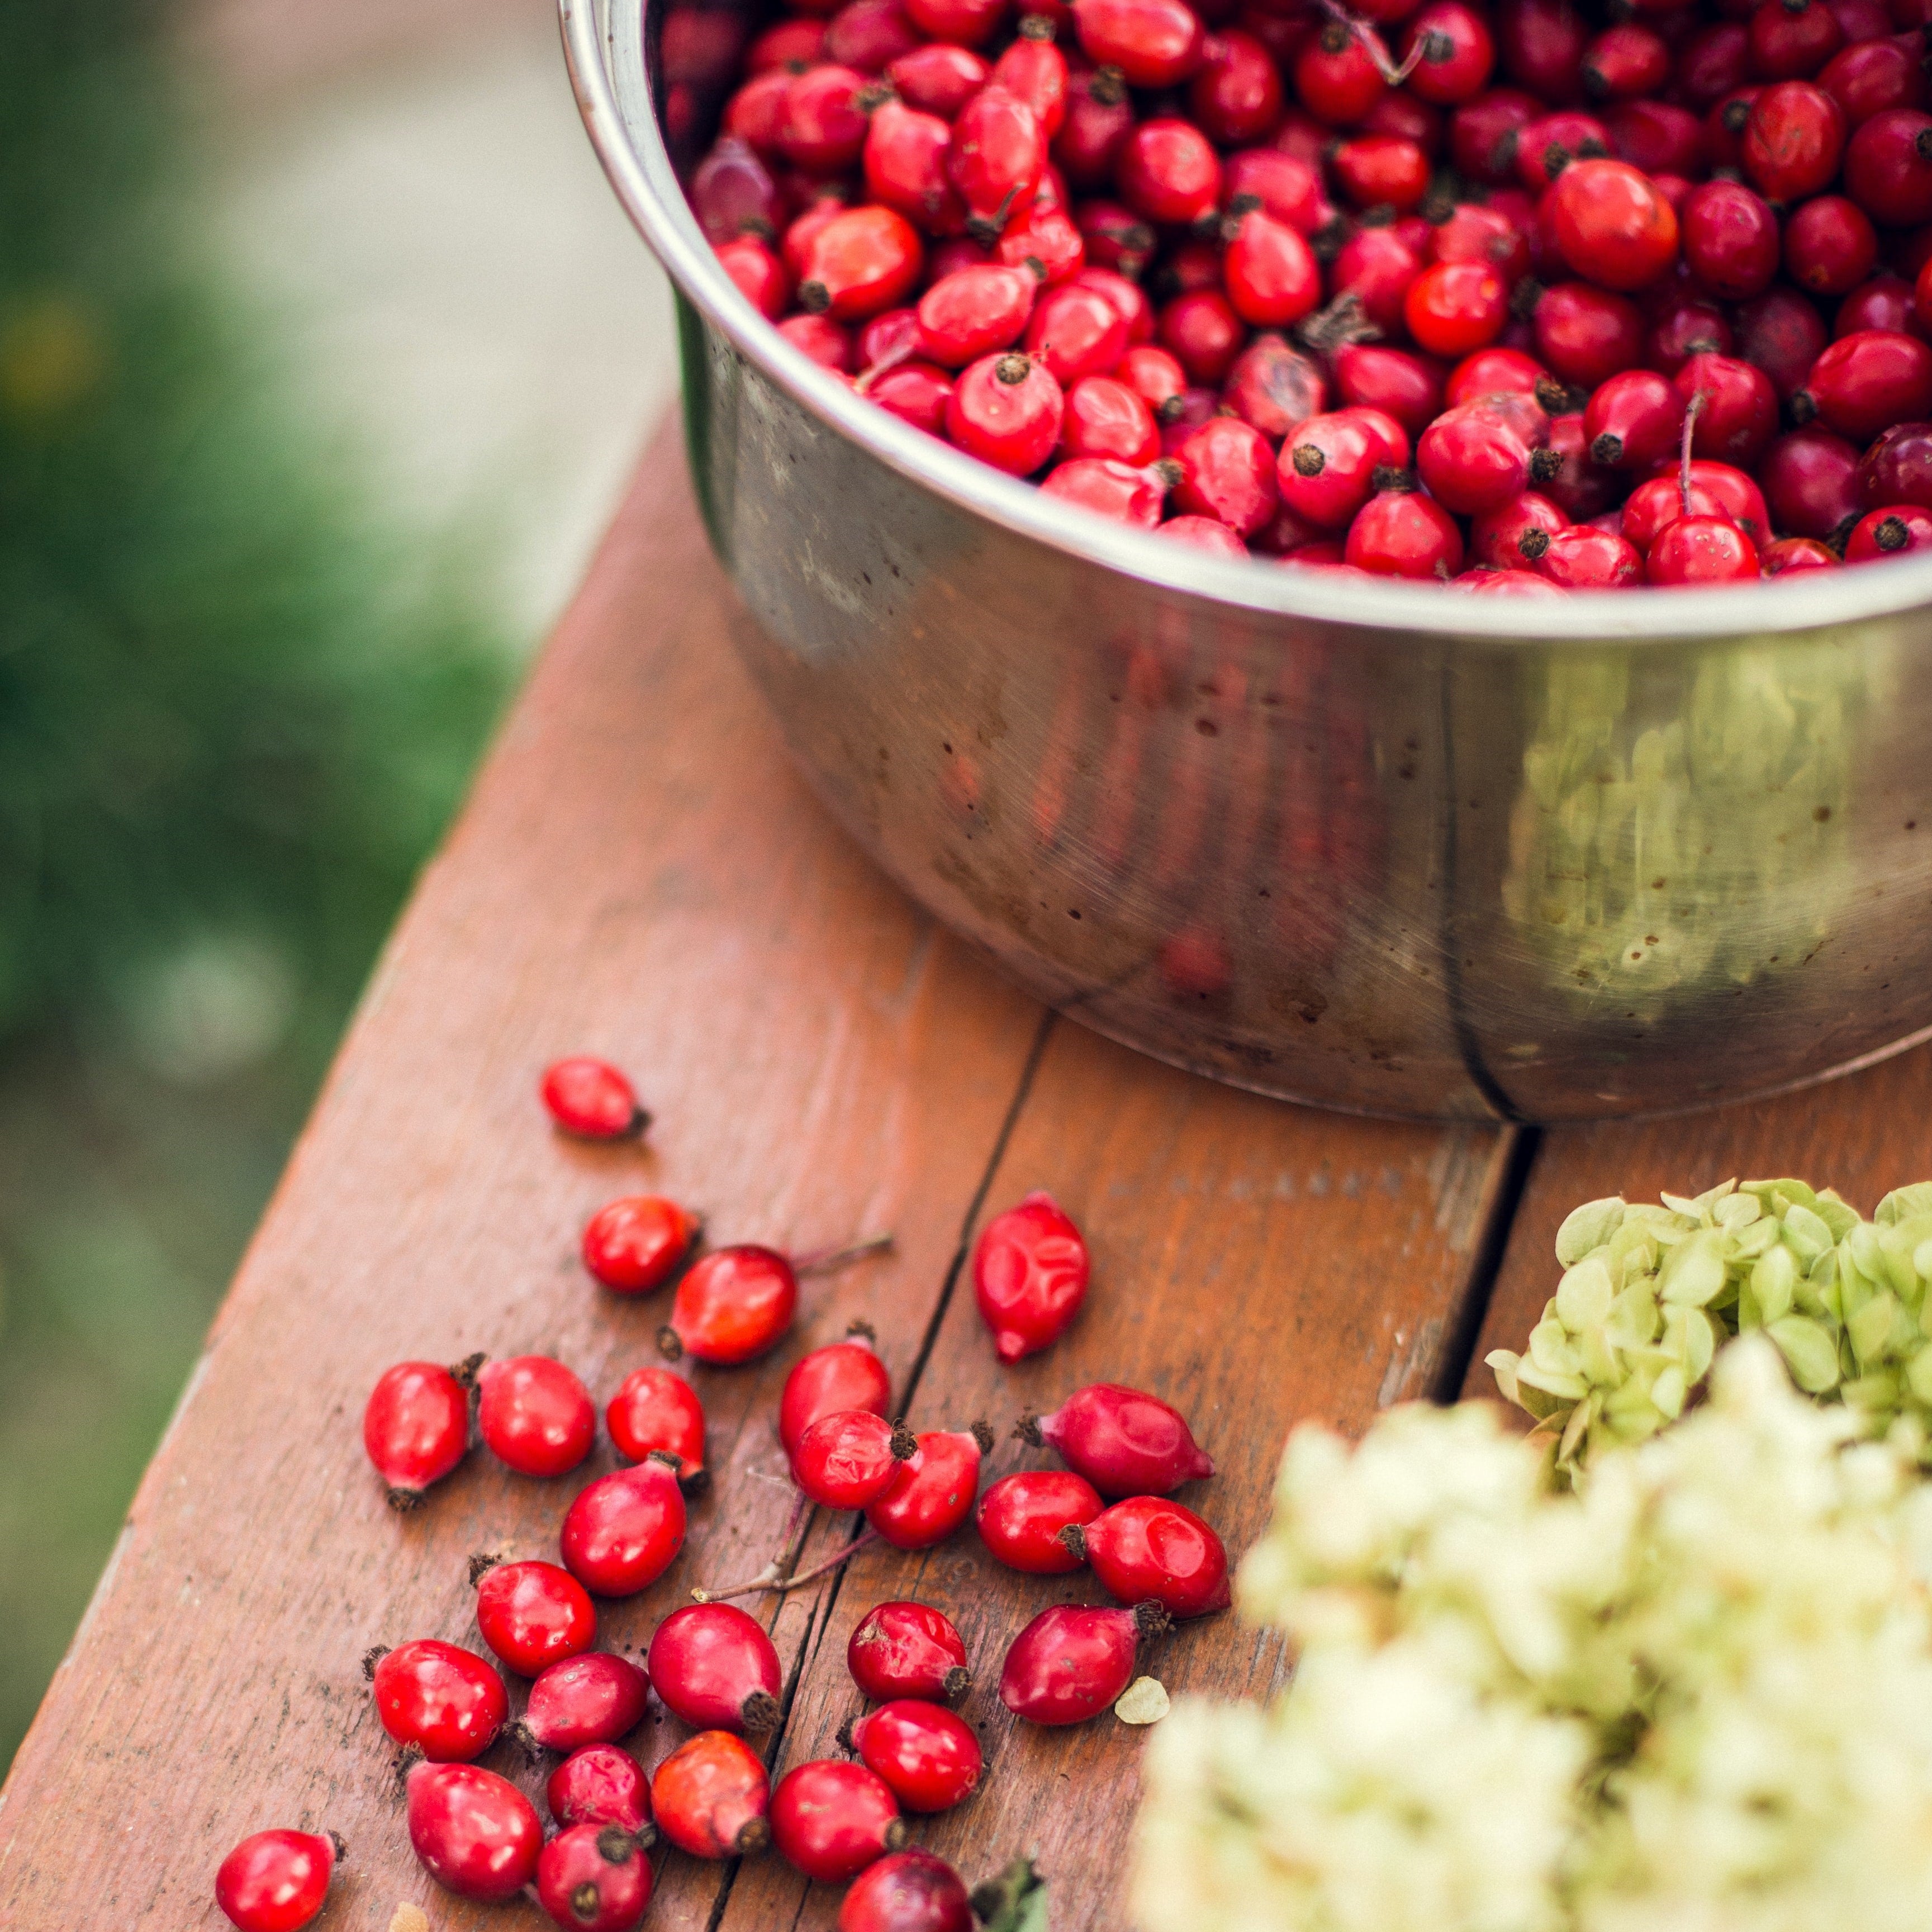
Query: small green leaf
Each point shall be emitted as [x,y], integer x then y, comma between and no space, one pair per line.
[1809,1352]
[1015,1901]
[1588,1227]
[1903,1201]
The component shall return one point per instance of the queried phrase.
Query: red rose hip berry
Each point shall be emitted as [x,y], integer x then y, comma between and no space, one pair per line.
[1070,1662]
[594,1878]
[475,1833]
[732,1305]
[590,1099]
[1149,1548]
[845,1374]
[906,1891]
[624,1531]
[532,1615]
[595,1699]
[415,1427]
[1866,382]
[933,1490]
[601,1784]
[1123,1441]
[276,1881]
[850,1458]
[1030,1264]
[1612,224]
[437,1698]
[534,1414]
[830,1820]
[636,1244]
[928,1756]
[908,1650]
[709,1797]
[715,1667]
[1021,1516]
[1006,410]
[655,1410]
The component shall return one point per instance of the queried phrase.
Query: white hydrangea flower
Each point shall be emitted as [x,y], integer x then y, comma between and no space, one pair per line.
[1693,1695]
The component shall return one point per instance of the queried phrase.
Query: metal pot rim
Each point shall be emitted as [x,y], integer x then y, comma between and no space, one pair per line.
[646,184]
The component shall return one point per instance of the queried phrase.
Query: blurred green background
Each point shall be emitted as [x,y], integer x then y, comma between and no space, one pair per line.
[239,699]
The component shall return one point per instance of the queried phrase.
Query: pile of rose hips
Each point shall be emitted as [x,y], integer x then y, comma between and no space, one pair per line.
[710,1664]
[1426,289]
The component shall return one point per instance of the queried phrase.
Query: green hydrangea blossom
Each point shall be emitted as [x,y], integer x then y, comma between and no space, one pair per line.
[1649,1294]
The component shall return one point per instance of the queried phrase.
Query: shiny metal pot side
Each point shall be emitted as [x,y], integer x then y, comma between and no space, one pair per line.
[1370,845]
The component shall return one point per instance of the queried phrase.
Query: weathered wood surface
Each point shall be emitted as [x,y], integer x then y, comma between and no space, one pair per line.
[1864,1134]
[640,873]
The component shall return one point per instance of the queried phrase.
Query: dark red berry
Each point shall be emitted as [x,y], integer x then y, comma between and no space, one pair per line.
[1634,419]
[1483,134]
[1150,1547]
[1167,171]
[1456,52]
[1272,277]
[1794,140]
[601,1784]
[715,1667]
[1583,558]
[932,1491]
[1327,469]
[590,1099]
[532,1615]
[1898,468]
[1830,247]
[1070,1662]
[416,1426]
[1006,410]
[535,1415]
[1124,1442]
[1730,239]
[276,1881]
[1586,334]
[1666,143]
[1701,550]
[1471,459]
[1864,383]
[822,127]
[1381,171]
[1871,76]
[1888,167]
[1810,480]
[1796,554]
[1739,416]
[1236,93]
[594,1878]
[1335,78]
[1782,335]
[1514,536]
[442,1701]
[908,1650]
[475,1833]
[906,1891]
[846,1375]
[937,79]
[905,168]
[655,1410]
[1577,486]
[1377,268]
[1791,38]
[1547,146]
[1371,376]
[709,1797]
[830,1820]
[1685,329]
[850,1458]
[625,1531]
[929,1758]
[1541,43]
[1021,1517]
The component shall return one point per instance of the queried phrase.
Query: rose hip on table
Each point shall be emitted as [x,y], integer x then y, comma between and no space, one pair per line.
[590,1099]
[276,1881]
[437,1700]
[715,1667]
[636,1244]
[1134,250]
[535,1415]
[531,1615]
[1123,1441]
[475,1833]
[908,1650]
[928,1756]
[656,1410]
[830,1819]
[594,1878]
[415,1427]
[594,1699]
[600,1784]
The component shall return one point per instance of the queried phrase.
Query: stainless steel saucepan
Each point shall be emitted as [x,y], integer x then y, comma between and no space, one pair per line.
[1378,846]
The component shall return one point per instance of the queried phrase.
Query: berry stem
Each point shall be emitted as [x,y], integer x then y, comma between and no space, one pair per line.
[769,1580]
[1371,43]
[1684,464]
[822,1260]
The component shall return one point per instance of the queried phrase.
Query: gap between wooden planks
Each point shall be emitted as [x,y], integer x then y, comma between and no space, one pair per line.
[640,873]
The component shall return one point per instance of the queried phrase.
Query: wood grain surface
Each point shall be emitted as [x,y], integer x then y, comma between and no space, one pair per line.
[1864,1134]
[640,874]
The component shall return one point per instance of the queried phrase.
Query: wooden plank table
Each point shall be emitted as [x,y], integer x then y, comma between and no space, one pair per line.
[640,873]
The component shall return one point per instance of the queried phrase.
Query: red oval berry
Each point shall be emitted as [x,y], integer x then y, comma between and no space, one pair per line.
[929,1758]
[1584,558]
[1327,469]
[709,1797]
[915,392]
[1370,377]
[1586,334]
[1070,1662]
[624,1530]
[1204,333]
[1271,274]
[1810,481]
[1006,410]
[997,152]
[601,1784]
[445,1701]
[1738,416]
[1898,531]
[905,168]
[1888,167]
[1780,334]
[1472,460]
[1612,224]
[1868,78]
[1021,1518]
[1452,307]
[1076,331]
[732,1305]
[908,1650]
[1153,43]
[595,1699]
[1794,140]
[1118,490]
[906,1891]
[1795,554]
[973,312]
[843,1374]
[1149,1547]
[1378,267]
[1228,473]
[715,1667]
[937,79]
[655,1410]
[849,1459]
[932,1492]
[1400,532]
[1788,38]
[1898,468]
[1730,239]
[590,1099]
[1236,94]
[533,1615]
[415,1427]
[821,126]
[1456,52]
[1204,533]
[535,1415]
[831,1820]
[1335,78]
[822,339]
[1167,171]
[759,276]
[1104,418]
[1830,247]
[1864,383]
[594,1878]
[1123,1441]
[634,1245]
[862,260]
[1701,550]
[475,1833]
[276,1881]
[1634,419]
[1034,71]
